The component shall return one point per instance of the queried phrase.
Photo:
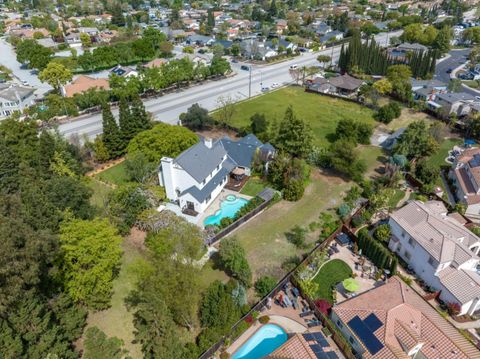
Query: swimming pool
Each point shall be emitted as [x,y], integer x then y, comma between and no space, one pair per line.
[228,207]
[262,343]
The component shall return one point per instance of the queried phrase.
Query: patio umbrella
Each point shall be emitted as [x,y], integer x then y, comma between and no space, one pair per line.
[351,285]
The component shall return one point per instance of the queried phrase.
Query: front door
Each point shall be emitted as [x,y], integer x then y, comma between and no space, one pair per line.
[191,205]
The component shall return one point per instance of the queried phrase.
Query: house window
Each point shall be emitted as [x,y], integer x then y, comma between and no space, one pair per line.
[411,242]
[339,323]
[404,234]
[431,261]
[351,340]
[209,197]
[407,255]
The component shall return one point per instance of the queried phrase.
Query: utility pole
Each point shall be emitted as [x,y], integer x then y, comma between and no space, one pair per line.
[250,81]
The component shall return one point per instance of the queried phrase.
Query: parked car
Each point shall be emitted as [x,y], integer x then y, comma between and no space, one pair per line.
[449,71]
[265,89]
[275,84]
[293,67]
[245,68]
[25,83]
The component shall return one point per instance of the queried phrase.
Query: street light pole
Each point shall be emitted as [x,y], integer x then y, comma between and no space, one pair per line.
[250,82]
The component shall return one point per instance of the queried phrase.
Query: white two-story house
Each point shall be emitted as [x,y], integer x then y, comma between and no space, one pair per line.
[440,250]
[14,98]
[198,175]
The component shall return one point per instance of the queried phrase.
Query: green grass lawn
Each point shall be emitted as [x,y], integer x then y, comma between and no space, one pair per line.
[321,112]
[100,192]
[263,237]
[115,175]
[438,158]
[397,196]
[373,157]
[253,186]
[331,273]
[117,320]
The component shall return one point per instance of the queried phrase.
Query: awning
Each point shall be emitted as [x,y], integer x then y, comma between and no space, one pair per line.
[237,171]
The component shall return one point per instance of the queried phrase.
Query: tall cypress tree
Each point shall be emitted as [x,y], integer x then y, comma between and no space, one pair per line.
[111,133]
[140,117]
[127,128]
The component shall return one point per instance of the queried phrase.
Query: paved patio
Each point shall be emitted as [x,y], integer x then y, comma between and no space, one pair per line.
[286,317]
[364,279]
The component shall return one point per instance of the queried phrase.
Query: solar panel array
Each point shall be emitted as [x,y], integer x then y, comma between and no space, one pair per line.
[365,333]
[372,322]
[317,348]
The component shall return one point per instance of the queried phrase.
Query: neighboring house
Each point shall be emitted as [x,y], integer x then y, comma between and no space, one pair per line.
[197,176]
[155,63]
[28,33]
[124,71]
[84,83]
[92,31]
[393,321]
[408,47]
[254,49]
[73,39]
[281,26]
[14,98]
[441,251]
[427,90]
[345,85]
[321,28]
[199,40]
[465,173]
[331,36]
[47,42]
[457,103]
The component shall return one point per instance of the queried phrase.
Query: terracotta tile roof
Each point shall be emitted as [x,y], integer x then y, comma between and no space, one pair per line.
[406,320]
[294,348]
[83,83]
[155,63]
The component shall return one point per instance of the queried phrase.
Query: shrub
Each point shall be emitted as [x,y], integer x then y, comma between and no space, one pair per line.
[453,308]
[296,236]
[224,355]
[382,233]
[264,285]
[344,210]
[264,319]
[388,112]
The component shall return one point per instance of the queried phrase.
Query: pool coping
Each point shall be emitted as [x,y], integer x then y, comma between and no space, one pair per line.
[259,325]
[252,334]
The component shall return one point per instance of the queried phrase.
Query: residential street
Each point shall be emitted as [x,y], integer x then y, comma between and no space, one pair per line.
[169,107]
[8,58]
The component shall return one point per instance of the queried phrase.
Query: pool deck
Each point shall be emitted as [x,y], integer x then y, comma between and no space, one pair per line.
[288,318]
[215,206]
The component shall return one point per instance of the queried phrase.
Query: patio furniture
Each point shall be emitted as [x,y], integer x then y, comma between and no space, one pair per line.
[305,314]
[295,292]
[314,323]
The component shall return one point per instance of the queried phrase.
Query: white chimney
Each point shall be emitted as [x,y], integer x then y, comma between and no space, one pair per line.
[208,142]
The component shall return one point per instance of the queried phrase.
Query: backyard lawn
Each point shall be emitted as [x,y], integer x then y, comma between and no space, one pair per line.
[253,186]
[438,158]
[373,157]
[117,320]
[115,175]
[398,194]
[263,237]
[330,274]
[321,112]
[100,192]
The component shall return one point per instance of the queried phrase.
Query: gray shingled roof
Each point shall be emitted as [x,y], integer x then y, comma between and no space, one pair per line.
[14,92]
[242,151]
[201,194]
[199,160]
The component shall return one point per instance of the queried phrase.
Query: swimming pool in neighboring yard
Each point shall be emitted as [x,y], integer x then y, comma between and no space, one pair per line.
[264,342]
[228,207]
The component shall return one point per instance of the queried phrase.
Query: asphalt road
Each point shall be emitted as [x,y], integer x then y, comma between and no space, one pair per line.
[8,58]
[168,108]
[457,58]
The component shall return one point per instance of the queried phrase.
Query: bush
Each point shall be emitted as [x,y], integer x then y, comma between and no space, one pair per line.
[388,112]
[296,236]
[264,319]
[453,308]
[224,355]
[264,285]
[382,233]
[344,210]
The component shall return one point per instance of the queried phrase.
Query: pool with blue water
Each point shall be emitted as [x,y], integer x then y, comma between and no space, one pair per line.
[229,206]
[264,342]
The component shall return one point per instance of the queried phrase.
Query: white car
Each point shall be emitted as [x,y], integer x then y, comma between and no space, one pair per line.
[293,67]
[274,85]
[25,83]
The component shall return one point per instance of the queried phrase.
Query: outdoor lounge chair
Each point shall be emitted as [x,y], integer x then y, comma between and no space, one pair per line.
[305,314]
[314,323]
